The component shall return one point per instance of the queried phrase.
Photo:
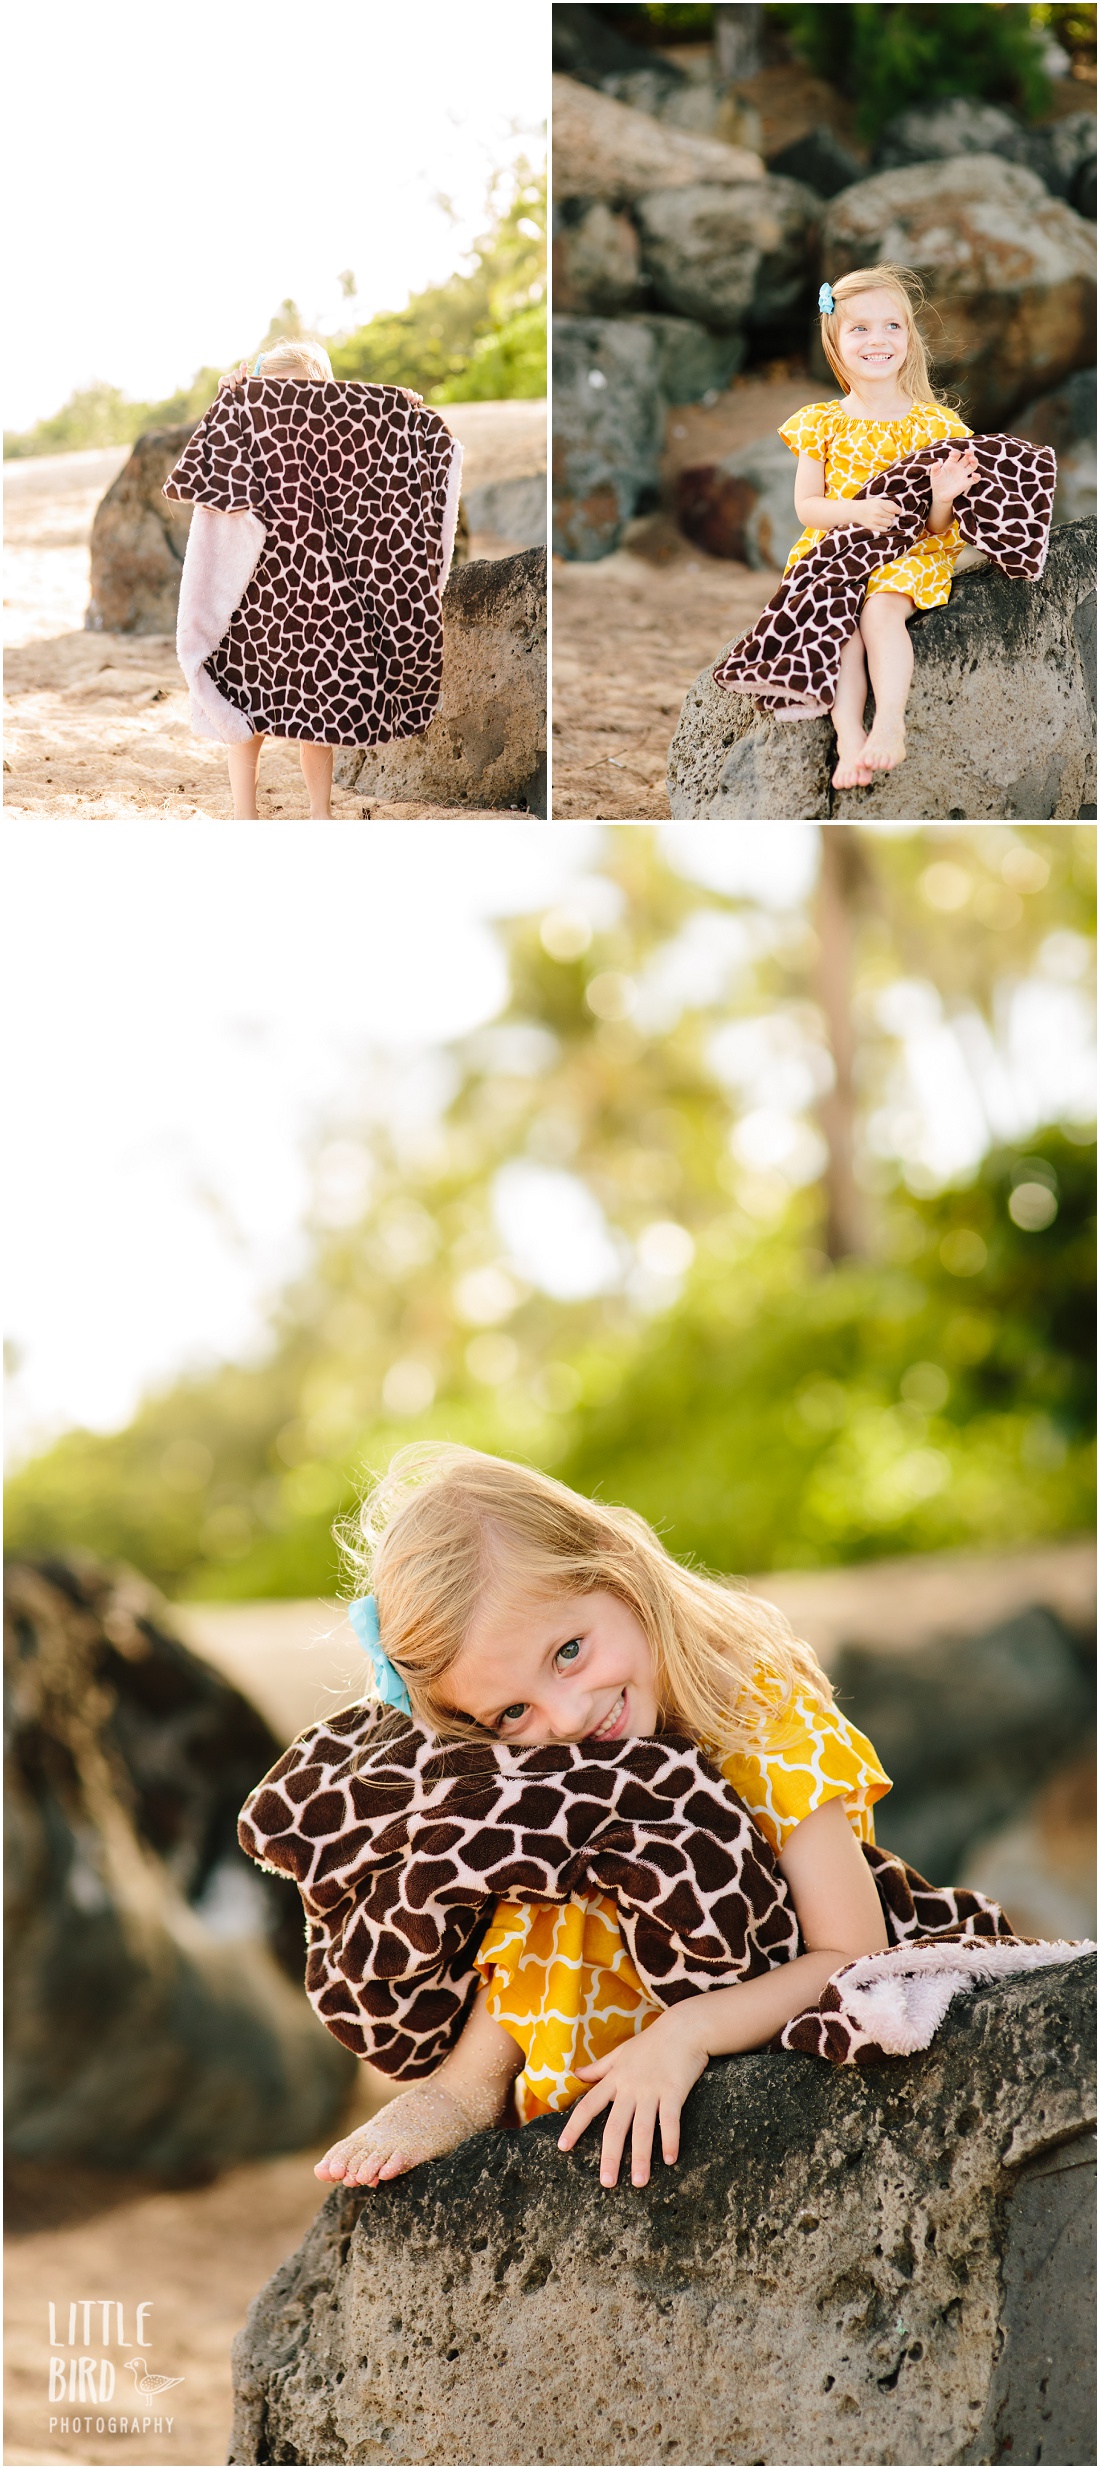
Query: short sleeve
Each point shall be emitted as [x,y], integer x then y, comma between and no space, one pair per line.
[219,466]
[807,1754]
[808,431]
[938,422]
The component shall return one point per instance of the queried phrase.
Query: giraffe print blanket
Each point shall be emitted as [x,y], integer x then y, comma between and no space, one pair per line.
[401,1847]
[319,547]
[790,659]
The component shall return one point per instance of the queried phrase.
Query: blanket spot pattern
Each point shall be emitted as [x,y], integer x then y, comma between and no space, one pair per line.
[790,660]
[401,1847]
[338,639]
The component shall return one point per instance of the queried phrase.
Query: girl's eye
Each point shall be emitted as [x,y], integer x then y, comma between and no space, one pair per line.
[569,1652]
[512,1713]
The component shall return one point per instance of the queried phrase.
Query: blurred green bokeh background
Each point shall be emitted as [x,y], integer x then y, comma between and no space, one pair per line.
[811,1341]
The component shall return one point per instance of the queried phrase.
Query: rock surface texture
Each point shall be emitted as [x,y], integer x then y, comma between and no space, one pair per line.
[487,743]
[743,506]
[608,420]
[1066,420]
[888,2266]
[603,148]
[732,257]
[1062,154]
[1010,270]
[1000,723]
[139,541]
[150,2021]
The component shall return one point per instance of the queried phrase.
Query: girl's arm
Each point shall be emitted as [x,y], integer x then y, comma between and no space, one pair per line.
[647,2079]
[469,2091]
[825,514]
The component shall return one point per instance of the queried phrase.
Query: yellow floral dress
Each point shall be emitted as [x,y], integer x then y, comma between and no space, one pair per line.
[852,451]
[559,1977]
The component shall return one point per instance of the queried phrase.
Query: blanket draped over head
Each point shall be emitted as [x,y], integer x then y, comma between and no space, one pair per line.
[401,1846]
[790,660]
[322,533]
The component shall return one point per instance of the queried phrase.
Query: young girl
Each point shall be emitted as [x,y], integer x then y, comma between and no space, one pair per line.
[316,560]
[306,364]
[514,1608]
[888,409]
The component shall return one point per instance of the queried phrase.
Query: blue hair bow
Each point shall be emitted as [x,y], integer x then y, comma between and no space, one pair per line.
[825,300]
[391,1688]
[259,365]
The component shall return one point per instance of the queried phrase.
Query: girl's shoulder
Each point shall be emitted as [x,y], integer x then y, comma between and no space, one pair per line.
[935,420]
[808,431]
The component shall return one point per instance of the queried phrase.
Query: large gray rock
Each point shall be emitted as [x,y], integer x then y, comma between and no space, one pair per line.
[597,259]
[1000,721]
[608,421]
[139,541]
[1066,420]
[1022,1700]
[693,363]
[1058,153]
[937,132]
[742,507]
[605,149]
[1009,270]
[887,2266]
[514,509]
[734,257]
[487,743]
[150,2021]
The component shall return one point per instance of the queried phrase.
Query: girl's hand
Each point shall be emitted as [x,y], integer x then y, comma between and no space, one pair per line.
[878,514]
[236,377]
[951,478]
[646,2081]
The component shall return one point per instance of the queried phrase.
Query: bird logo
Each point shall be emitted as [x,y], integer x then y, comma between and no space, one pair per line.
[151,2386]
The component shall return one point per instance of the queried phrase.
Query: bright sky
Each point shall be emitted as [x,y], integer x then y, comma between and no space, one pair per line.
[173,176]
[180,1034]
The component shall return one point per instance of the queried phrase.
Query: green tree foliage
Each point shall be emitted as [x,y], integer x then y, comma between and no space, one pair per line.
[99,415]
[479,337]
[891,57]
[765,1405]
[481,334]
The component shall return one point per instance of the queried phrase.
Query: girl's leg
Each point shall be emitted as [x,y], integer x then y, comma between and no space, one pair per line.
[852,772]
[468,2092]
[890,661]
[242,779]
[317,774]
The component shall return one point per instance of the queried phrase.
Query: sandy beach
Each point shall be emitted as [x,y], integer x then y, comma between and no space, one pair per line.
[96,725]
[632,631]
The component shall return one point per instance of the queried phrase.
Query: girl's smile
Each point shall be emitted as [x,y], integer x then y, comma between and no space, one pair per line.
[580,1668]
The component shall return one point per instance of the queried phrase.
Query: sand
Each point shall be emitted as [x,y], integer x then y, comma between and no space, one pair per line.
[198,2255]
[632,632]
[96,726]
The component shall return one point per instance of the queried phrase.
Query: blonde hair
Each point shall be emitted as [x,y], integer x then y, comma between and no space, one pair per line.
[305,360]
[448,1525]
[908,290]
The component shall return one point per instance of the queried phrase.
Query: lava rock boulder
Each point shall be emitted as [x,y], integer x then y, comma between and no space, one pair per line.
[1009,270]
[139,540]
[1000,724]
[155,2014]
[890,2264]
[487,743]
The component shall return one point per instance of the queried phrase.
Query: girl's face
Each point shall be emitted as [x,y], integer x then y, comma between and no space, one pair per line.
[579,1668]
[874,334]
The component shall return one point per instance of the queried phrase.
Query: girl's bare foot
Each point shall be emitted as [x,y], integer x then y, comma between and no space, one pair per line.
[852,771]
[885,748]
[420,2125]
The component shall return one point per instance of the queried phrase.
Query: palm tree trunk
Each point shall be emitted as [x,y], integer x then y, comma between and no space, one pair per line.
[843,871]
